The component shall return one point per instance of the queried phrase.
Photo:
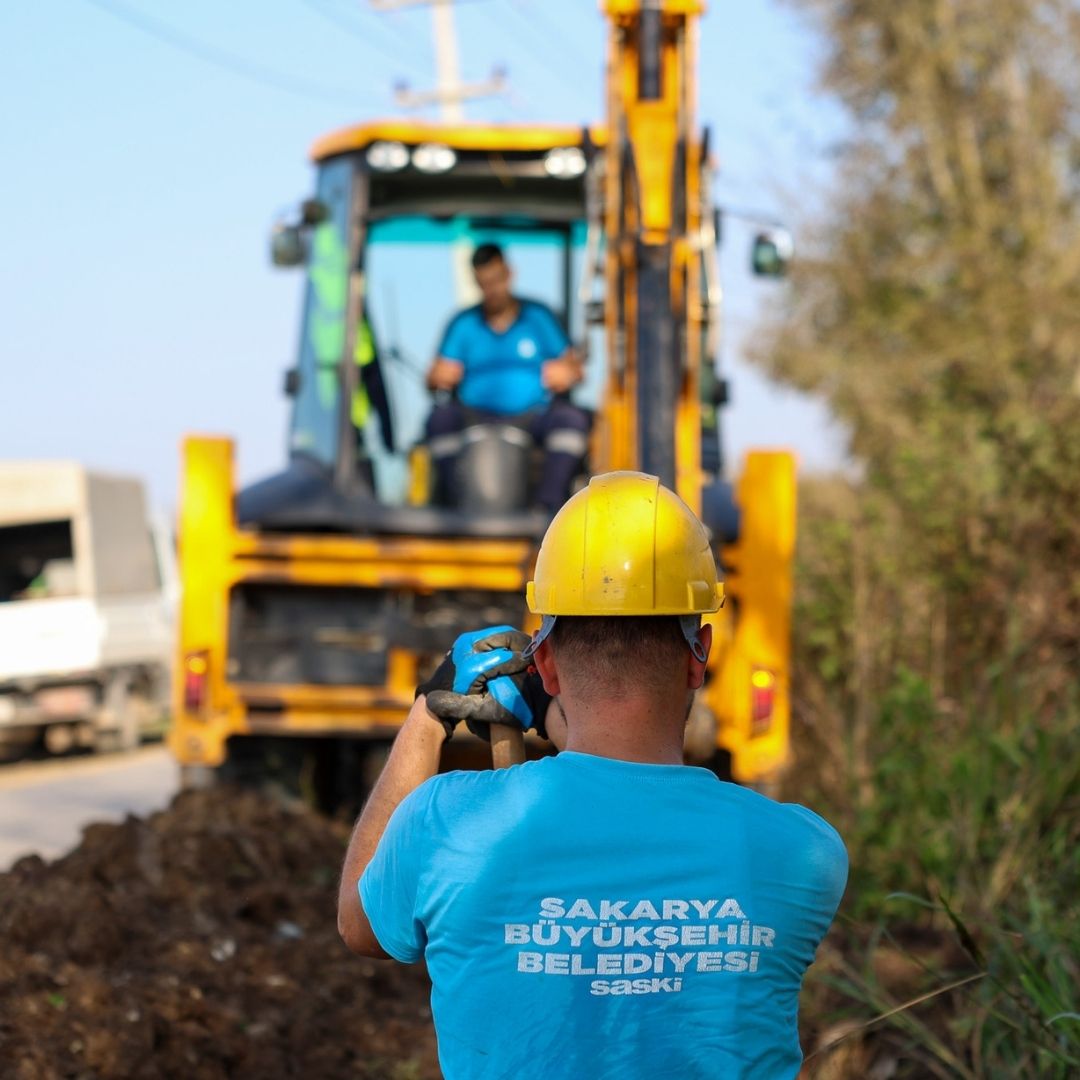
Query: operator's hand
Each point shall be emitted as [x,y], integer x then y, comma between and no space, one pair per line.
[458,687]
[518,700]
[445,374]
[560,375]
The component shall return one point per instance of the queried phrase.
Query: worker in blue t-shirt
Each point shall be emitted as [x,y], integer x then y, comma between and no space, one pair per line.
[608,912]
[507,360]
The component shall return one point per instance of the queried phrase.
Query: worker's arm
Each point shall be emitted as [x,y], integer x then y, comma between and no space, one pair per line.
[413,759]
[562,373]
[444,374]
[448,368]
[564,369]
[461,681]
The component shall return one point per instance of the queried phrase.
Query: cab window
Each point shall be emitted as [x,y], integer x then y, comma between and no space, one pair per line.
[418,276]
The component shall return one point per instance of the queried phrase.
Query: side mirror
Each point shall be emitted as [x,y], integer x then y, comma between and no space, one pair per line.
[288,246]
[772,252]
[313,212]
[292,382]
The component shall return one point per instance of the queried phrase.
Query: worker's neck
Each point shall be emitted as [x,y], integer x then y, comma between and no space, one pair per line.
[503,312]
[645,730]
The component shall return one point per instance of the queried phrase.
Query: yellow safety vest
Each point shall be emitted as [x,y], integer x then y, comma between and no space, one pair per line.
[363,354]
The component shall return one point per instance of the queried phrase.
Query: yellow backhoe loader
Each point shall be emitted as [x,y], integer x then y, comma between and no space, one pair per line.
[315,600]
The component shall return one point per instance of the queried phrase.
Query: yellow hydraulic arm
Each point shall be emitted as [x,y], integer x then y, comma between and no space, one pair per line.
[653,220]
[658,220]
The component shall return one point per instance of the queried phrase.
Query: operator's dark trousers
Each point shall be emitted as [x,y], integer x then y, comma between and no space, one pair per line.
[562,429]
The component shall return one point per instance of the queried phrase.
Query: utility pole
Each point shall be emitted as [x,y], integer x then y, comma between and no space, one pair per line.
[450,92]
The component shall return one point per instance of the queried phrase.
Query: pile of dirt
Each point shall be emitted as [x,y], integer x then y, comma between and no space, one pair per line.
[200,942]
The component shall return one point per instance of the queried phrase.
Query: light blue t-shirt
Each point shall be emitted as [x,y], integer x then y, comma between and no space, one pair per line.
[502,370]
[583,917]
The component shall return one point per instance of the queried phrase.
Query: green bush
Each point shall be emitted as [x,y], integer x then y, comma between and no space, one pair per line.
[935,309]
[960,927]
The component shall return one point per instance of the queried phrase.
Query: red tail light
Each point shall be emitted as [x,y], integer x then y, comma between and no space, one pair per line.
[195,668]
[762,698]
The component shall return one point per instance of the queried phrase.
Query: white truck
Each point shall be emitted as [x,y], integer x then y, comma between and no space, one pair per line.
[88,591]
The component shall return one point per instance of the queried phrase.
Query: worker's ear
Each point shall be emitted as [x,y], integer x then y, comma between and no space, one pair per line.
[545,665]
[696,669]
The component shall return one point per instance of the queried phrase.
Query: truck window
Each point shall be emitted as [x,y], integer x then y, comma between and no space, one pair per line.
[36,561]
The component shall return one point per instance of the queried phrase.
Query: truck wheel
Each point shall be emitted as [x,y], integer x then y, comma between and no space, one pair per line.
[59,738]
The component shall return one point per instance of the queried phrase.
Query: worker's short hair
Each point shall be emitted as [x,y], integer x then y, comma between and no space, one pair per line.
[618,654]
[485,254]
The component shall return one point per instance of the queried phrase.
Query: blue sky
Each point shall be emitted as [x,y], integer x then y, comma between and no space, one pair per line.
[139,184]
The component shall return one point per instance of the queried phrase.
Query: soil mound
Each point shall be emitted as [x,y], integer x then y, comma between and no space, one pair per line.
[200,943]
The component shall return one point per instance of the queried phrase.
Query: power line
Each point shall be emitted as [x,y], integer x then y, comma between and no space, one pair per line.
[339,19]
[392,25]
[450,92]
[539,59]
[561,41]
[235,65]
[518,105]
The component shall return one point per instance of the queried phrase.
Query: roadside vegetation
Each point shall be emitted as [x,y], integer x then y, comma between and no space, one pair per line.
[937,311]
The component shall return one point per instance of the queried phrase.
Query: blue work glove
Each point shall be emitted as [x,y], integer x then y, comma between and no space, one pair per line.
[457,689]
[518,700]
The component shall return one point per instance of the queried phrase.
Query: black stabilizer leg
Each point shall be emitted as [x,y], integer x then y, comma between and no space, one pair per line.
[657,363]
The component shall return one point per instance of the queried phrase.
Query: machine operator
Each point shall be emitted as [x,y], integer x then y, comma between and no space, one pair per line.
[507,360]
[608,912]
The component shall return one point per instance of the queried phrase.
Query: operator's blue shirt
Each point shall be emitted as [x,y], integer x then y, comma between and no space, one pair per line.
[583,917]
[502,370]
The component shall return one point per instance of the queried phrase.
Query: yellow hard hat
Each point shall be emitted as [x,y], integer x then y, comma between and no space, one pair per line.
[624,545]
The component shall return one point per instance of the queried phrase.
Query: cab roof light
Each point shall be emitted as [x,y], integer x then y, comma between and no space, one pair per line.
[434,158]
[565,162]
[387,156]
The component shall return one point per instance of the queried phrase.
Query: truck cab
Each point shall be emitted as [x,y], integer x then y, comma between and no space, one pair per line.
[87,610]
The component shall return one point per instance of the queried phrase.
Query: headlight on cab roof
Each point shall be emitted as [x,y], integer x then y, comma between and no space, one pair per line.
[565,162]
[387,156]
[434,158]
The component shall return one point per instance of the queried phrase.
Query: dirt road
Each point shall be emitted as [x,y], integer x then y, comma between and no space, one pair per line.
[44,805]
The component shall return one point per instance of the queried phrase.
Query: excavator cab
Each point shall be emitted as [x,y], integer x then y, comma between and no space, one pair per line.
[385,244]
[315,601]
